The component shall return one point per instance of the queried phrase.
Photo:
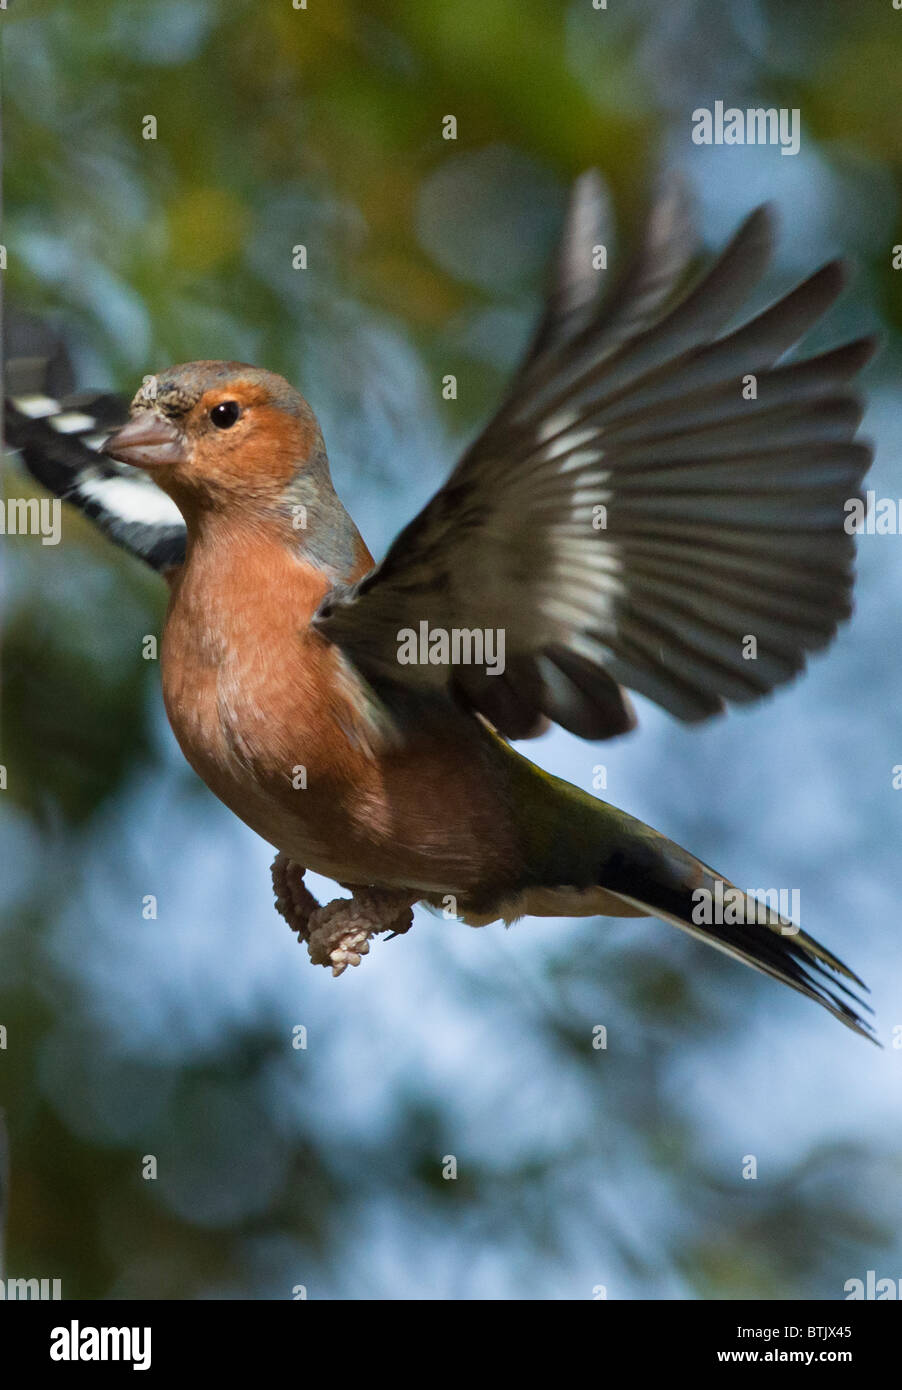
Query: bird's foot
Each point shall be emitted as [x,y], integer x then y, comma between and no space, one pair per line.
[294,900]
[339,933]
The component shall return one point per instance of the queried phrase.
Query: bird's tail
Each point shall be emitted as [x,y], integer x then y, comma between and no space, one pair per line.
[616,865]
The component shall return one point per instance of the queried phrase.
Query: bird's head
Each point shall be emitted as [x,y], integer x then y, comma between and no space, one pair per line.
[217,435]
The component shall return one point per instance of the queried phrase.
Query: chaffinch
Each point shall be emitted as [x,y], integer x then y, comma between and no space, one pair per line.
[657,505]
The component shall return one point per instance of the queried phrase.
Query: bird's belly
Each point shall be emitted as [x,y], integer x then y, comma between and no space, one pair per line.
[357,833]
[276,786]
[281,728]
[313,787]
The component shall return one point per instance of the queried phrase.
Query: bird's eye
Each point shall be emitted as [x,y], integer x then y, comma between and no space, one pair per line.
[225,414]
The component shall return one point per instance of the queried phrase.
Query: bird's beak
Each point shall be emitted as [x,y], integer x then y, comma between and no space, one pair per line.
[147,441]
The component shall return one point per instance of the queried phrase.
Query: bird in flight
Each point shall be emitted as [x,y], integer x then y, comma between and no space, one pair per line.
[657,506]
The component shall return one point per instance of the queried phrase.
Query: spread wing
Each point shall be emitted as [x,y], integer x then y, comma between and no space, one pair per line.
[657,504]
[58,434]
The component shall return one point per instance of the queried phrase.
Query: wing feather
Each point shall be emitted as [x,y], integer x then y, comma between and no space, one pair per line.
[656,489]
[58,435]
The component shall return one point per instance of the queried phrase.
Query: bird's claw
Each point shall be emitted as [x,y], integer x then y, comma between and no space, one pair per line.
[338,934]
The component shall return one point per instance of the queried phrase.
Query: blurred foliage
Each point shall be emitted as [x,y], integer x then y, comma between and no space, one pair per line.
[322,127]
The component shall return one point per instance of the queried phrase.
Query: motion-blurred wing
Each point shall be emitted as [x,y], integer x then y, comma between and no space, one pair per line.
[654,493]
[58,435]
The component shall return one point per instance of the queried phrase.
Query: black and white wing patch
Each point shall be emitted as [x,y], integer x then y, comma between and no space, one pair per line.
[58,436]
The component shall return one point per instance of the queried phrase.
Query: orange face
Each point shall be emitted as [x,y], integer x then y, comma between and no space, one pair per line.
[215,434]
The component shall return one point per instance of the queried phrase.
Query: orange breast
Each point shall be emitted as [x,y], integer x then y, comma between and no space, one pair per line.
[280,727]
